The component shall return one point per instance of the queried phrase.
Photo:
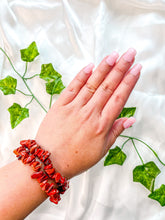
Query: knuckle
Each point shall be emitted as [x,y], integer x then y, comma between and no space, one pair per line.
[102,126]
[119,100]
[107,88]
[90,88]
[118,69]
[127,81]
[85,114]
[71,89]
[79,80]
[100,129]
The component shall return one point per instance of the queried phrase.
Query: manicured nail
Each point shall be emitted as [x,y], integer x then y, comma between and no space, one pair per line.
[136,69]
[89,68]
[129,122]
[129,55]
[111,59]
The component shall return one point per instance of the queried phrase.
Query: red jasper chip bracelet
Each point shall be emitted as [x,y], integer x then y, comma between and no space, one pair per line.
[28,152]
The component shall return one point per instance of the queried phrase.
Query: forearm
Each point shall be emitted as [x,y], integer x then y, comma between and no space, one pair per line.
[19,194]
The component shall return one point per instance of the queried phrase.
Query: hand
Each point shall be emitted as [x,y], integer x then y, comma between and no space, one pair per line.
[81,126]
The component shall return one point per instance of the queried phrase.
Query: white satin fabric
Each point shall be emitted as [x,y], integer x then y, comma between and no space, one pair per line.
[70,34]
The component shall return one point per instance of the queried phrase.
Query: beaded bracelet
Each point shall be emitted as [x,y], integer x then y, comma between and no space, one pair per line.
[28,152]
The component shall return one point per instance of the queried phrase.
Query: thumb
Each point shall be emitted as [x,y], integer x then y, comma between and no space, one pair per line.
[118,127]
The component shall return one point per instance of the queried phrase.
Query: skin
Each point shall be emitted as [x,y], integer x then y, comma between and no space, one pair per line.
[78,131]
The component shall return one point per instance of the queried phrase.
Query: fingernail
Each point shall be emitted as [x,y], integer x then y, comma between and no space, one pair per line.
[111,59]
[129,122]
[89,68]
[136,69]
[129,55]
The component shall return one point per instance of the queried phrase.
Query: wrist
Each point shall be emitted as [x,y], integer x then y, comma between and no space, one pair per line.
[51,181]
[57,157]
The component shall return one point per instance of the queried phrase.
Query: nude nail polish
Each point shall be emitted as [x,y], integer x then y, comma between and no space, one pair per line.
[136,69]
[111,59]
[129,122]
[129,55]
[89,68]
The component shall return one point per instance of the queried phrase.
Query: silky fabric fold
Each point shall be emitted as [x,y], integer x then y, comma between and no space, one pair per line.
[71,34]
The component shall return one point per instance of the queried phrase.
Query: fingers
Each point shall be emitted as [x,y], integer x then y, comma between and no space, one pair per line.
[111,82]
[118,127]
[100,90]
[77,83]
[96,78]
[117,101]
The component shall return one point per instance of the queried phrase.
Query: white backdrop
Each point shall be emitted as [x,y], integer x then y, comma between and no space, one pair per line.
[70,34]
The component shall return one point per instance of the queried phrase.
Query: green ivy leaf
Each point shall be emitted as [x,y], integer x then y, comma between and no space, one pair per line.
[115,156]
[159,195]
[8,85]
[30,53]
[127,112]
[146,174]
[48,72]
[17,114]
[54,87]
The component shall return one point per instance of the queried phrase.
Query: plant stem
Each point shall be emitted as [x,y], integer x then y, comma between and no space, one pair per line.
[29,102]
[156,155]
[34,95]
[137,151]
[25,69]
[23,92]
[10,62]
[32,76]
[50,101]
[23,79]
[125,143]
